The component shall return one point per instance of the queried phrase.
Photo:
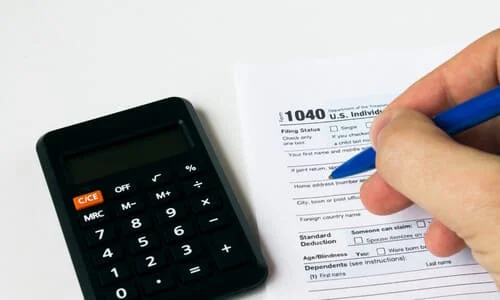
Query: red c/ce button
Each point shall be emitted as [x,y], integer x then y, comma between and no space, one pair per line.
[88,200]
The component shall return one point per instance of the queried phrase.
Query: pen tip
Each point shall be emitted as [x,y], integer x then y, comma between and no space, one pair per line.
[330,177]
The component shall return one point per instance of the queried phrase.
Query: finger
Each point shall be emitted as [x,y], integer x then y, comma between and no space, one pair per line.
[471,72]
[380,198]
[441,241]
[456,184]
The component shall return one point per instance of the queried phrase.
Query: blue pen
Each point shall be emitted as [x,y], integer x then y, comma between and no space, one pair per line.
[457,119]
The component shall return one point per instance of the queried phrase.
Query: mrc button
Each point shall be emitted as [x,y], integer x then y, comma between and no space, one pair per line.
[93,216]
[88,200]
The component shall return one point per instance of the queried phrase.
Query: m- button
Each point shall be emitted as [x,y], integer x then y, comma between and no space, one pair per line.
[88,200]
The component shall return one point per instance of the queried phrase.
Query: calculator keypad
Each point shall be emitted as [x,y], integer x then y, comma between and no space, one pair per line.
[154,233]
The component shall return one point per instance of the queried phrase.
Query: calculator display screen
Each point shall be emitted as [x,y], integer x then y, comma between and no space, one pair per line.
[127,154]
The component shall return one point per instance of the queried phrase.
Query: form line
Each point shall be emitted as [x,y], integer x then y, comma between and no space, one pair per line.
[410,290]
[391,273]
[328,148]
[371,225]
[396,282]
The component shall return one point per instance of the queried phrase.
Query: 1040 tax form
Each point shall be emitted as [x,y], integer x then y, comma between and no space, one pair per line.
[299,121]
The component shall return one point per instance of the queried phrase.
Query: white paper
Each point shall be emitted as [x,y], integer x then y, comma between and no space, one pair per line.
[299,121]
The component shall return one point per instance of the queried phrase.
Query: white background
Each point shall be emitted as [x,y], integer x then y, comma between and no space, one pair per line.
[63,62]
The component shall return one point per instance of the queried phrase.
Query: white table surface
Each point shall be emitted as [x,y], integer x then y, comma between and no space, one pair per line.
[63,62]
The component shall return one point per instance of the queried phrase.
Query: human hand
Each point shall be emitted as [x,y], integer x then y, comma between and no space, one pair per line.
[456,180]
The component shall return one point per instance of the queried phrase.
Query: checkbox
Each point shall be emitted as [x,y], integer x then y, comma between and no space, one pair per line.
[368,124]
[381,251]
[421,224]
[334,128]
[358,240]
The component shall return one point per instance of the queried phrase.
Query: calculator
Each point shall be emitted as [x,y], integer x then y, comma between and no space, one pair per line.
[145,207]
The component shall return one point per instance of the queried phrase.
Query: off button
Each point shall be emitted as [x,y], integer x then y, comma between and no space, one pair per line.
[121,189]
[88,200]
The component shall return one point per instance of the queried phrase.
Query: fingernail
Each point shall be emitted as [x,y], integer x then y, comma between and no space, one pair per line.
[378,124]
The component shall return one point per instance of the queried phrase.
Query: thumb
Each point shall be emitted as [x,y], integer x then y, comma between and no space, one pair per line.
[456,184]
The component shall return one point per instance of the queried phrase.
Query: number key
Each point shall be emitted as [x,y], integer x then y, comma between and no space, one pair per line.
[179,232]
[186,250]
[149,262]
[142,243]
[114,273]
[122,292]
[100,234]
[172,213]
[107,254]
[136,224]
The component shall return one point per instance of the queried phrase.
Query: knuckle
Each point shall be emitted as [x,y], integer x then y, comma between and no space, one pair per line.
[493,37]
[396,140]
[495,33]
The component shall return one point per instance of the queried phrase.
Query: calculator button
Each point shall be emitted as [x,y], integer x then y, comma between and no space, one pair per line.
[188,168]
[179,231]
[93,217]
[186,250]
[163,195]
[136,224]
[142,243]
[130,206]
[100,234]
[158,282]
[227,250]
[193,271]
[114,273]
[122,189]
[171,213]
[122,292]
[88,200]
[150,262]
[205,203]
[192,186]
[212,221]
[158,178]
[107,254]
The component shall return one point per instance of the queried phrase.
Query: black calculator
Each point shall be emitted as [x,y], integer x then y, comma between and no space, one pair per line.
[145,207]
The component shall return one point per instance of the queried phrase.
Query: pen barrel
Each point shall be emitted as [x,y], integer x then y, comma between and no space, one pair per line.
[470,113]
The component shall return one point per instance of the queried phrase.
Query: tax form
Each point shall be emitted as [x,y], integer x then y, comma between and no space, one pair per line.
[299,121]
